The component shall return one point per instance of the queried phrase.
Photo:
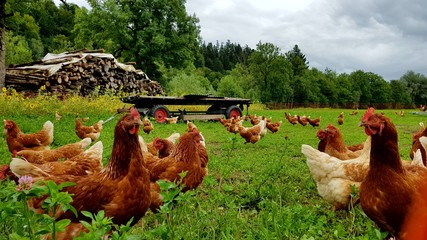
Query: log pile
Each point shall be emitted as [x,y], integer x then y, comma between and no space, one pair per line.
[81,72]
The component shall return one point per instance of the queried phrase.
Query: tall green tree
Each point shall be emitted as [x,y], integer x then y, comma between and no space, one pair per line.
[401,94]
[272,72]
[417,85]
[345,97]
[380,90]
[147,32]
[298,61]
[361,88]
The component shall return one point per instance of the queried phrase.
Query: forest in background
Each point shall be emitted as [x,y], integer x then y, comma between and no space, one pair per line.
[165,42]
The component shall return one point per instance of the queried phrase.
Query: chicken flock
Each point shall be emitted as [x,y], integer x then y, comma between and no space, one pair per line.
[126,187]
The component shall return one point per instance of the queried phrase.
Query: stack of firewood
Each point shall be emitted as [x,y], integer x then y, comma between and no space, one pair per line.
[82,72]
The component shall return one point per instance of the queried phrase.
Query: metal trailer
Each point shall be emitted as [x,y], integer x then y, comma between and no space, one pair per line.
[155,106]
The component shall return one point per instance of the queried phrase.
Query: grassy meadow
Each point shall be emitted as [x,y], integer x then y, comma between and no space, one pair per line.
[252,191]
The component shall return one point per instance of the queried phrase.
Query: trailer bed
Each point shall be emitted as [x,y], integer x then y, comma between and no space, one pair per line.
[155,106]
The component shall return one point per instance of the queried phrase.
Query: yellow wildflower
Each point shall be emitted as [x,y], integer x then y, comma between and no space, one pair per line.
[43,87]
[32,105]
[4,89]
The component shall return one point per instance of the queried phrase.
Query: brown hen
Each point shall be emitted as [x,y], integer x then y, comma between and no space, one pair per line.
[93,132]
[17,140]
[335,145]
[64,152]
[121,188]
[389,188]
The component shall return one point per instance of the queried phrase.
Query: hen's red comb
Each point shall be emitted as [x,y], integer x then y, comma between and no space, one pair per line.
[156,140]
[368,113]
[135,112]
[320,132]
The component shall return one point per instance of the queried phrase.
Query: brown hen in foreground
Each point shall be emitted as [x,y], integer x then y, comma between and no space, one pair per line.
[17,140]
[389,188]
[189,155]
[184,157]
[121,189]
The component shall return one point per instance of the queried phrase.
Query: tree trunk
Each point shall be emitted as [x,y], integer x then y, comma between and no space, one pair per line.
[2,44]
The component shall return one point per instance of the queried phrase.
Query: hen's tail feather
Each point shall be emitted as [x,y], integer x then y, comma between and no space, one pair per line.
[85,142]
[173,137]
[48,127]
[418,159]
[96,151]
[21,167]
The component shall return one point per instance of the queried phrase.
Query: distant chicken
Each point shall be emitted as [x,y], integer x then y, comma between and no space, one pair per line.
[252,134]
[17,140]
[302,120]
[61,153]
[314,122]
[58,116]
[353,113]
[389,189]
[225,122]
[93,132]
[254,119]
[147,125]
[400,113]
[88,162]
[234,126]
[172,120]
[341,118]
[292,120]
[273,127]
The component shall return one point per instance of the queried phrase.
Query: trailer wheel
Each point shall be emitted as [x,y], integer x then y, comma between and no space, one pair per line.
[233,112]
[160,113]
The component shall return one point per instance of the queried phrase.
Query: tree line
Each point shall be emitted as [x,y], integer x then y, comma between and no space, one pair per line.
[165,42]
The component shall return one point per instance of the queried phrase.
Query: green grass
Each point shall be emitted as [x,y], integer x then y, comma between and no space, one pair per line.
[252,191]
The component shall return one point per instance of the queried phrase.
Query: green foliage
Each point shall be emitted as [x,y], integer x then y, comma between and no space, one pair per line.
[298,61]
[271,71]
[184,82]
[18,49]
[228,86]
[417,86]
[145,32]
[101,227]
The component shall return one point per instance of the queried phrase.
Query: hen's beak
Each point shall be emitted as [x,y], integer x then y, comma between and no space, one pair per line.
[361,124]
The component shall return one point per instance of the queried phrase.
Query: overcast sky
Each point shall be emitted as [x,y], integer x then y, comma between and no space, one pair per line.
[386,37]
